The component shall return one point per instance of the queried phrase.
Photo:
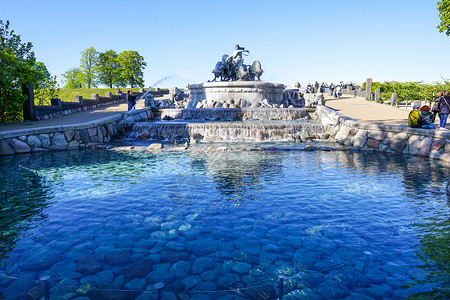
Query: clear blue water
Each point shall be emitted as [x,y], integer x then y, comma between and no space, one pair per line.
[223,225]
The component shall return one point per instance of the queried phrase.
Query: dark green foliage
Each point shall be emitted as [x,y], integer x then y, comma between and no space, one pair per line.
[17,67]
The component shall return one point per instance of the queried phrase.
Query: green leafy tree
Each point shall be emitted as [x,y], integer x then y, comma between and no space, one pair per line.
[444,14]
[17,68]
[108,69]
[73,79]
[47,86]
[88,66]
[49,89]
[131,66]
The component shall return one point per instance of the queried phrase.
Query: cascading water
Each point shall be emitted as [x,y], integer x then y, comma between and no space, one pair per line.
[240,125]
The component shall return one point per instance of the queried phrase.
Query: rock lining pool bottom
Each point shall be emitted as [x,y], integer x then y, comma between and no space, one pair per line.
[223,225]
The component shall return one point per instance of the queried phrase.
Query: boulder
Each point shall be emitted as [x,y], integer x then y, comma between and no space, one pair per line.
[202,264]
[34,142]
[88,265]
[59,139]
[138,269]
[19,146]
[6,149]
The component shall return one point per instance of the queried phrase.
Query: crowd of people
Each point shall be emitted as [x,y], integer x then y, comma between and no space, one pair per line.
[334,90]
[424,117]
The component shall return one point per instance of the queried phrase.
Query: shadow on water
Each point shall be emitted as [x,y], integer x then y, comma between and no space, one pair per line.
[24,196]
[25,192]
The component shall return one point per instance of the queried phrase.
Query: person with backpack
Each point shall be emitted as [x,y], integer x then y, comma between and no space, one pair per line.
[444,109]
[413,117]
[435,106]
[426,118]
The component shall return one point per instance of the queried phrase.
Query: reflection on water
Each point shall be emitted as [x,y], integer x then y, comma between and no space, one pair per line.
[337,224]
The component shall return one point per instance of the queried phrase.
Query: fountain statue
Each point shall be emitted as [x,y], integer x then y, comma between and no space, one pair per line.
[239,86]
[233,67]
[266,111]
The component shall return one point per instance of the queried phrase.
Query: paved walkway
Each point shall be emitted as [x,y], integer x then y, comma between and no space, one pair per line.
[73,119]
[368,111]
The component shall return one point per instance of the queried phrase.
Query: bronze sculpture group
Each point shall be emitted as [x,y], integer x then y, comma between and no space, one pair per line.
[232,67]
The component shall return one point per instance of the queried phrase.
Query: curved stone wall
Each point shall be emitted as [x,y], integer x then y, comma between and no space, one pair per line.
[68,137]
[359,136]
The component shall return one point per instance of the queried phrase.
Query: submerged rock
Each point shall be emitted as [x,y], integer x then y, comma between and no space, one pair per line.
[138,269]
[88,265]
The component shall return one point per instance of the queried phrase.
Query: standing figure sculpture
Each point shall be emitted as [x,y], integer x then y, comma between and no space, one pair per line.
[233,68]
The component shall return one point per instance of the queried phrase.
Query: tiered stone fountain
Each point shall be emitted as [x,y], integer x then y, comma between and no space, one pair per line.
[238,108]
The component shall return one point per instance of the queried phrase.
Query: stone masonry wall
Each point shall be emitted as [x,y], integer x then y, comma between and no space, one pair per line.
[358,136]
[68,137]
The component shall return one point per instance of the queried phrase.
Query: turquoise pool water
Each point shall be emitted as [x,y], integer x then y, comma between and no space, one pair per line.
[223,225]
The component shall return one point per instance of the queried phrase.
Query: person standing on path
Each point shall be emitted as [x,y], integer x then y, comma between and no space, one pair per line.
[444,109]
[435,106]
[131,100]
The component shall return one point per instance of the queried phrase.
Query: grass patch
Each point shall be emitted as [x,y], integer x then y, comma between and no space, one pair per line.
[68,95]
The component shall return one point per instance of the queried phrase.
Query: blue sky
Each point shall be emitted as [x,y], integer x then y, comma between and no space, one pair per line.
[324,40]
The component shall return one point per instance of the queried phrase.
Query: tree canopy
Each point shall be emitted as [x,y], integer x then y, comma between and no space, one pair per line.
[444,14]
[107,68]
[73,79]
[132,63]
[88,66]
[18,67]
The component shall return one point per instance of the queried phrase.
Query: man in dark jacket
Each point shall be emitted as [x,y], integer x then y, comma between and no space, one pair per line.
[131,100]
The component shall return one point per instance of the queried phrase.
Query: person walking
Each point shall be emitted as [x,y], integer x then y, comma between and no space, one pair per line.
[435,106]
[131,100]
[444,109]
[316,87]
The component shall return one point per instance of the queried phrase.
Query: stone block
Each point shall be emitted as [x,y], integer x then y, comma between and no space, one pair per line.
[34,142]
[397,145]
[74,144]
[445,157]
[45,140]
[383,147]
[402,136]
[19,146]
[100,134]
[360,138]
[5,148]
[425,146]
[92,132]
[414,144]
[69,135]
[376,135]
[59,139]
[84,134]
[438,145]
[435,154]
[372,143]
